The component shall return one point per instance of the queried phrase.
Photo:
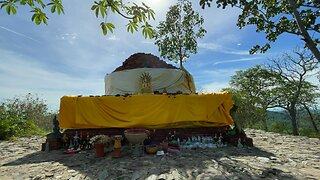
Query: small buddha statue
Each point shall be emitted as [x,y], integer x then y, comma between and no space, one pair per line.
[81,141]
[76,140]
[65,141]
[145,82]
[239,145]
[88,144]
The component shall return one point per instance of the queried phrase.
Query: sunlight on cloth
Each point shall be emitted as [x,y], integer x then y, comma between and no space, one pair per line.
[146,111]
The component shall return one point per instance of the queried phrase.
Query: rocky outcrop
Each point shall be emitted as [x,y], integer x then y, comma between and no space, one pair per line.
[142,60]
[273,156]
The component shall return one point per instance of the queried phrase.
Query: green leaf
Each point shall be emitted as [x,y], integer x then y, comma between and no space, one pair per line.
[14,11]
[104,29]
[150,33]
[23,2]
[110,26]
[93,7]
[30,3]
[60,8]
[53,8]
[44,19]
[3,4]
[102,11]
[37,20]
[8,9]
[33,17]
[97,12]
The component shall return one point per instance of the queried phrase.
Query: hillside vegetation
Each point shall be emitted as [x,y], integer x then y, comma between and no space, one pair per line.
[24,115]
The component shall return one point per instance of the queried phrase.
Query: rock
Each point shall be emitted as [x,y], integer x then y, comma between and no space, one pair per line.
[139,174]
[103,175]
[152,177]
[162,177]
[78,177]
[263,159]
[48,175]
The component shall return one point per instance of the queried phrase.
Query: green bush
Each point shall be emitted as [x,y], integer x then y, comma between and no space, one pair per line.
[309,132]
[21,115]
[280,127]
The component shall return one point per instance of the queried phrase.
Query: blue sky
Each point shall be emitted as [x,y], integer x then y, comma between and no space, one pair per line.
[70,56]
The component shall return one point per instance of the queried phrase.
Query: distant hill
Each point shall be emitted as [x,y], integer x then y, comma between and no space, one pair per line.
[279,116]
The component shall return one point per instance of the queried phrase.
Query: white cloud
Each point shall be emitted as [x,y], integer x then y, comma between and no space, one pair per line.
[214,86]
[218,77]
[221,49]
[68,37]
[30,76]
[113,38]
[236,60]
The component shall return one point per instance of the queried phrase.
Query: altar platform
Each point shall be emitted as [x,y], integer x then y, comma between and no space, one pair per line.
[150,111]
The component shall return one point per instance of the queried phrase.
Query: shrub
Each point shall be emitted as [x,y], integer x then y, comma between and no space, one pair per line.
[21,116]
[280,127]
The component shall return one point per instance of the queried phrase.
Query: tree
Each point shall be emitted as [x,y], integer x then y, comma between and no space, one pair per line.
[136,15]
[244,113]
[254,88]
[276,17]
[291,87]
[176,37]
[309,105]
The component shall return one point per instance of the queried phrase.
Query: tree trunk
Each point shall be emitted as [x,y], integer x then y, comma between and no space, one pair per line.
[293,117]
[264,119]
[181,64]
[265,125]
[306,37]
[311,118]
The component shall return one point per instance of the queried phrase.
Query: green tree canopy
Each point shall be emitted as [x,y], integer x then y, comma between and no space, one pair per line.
[292,88]
[276,17]
[282,83]
[252,86]
[176,37]
[137,15]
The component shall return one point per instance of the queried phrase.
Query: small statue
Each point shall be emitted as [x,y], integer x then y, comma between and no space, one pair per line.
[219,143]
[76,140]
[88,144]
[82,141]
[215,139]
[70,144]
[239,145]
[65,141]
[55,130]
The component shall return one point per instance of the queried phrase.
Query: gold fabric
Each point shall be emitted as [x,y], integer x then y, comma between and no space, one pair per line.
[146,111]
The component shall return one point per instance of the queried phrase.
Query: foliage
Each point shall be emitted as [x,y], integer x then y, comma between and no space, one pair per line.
[176,37]
[276,17]
[291,87]
[135,14]
[23,116]
[253,93]
[280,127]
[281,84]
[36,6]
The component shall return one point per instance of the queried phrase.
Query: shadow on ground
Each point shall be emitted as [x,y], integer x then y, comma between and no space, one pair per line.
[212,163]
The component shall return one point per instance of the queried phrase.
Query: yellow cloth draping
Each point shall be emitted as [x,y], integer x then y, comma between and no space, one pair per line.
[146,111]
